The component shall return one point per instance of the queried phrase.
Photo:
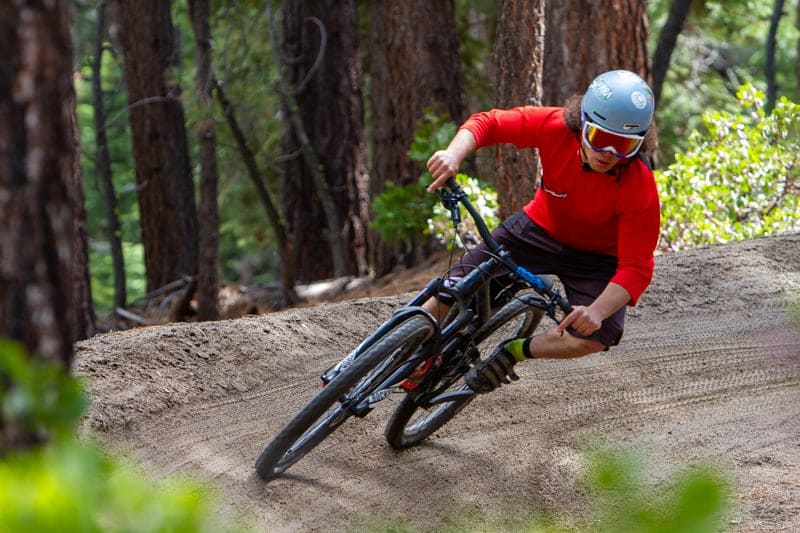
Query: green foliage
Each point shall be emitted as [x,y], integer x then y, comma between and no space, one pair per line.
[738,181]
[695,500]
[69,485]
[73,487]
[244,62]
[103,273]
[37,398]
[720,48]
[476,21]
[403,213]
[433,132]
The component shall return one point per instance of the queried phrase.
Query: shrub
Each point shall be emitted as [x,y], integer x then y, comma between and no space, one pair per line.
[403,213]
[739,180]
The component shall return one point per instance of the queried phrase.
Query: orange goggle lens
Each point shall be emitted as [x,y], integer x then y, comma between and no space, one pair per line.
[602,140]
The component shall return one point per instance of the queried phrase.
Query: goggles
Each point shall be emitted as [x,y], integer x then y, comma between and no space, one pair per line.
[600,139]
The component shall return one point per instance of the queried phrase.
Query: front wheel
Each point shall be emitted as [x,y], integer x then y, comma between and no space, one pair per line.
[332,405]
[410,423]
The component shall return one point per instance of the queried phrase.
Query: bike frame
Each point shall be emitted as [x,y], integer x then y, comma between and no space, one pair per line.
[405,341]
[473,286]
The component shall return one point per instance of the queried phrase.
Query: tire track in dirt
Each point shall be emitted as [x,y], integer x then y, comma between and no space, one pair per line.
[220,440]
[696,379]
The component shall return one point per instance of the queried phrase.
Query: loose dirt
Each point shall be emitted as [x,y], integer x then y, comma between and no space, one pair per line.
[708,373]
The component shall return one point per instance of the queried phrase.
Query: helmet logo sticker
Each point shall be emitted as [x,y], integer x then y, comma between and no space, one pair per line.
[602,88]
[639,100]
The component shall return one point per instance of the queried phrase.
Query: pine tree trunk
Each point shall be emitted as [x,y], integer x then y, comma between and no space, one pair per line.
[414,65]
[38,188]
[103,166]
[167,210]
[518,54]
[324,188]
[584,38]
[208,267]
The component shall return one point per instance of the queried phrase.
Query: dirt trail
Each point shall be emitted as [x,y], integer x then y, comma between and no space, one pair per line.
[708,371]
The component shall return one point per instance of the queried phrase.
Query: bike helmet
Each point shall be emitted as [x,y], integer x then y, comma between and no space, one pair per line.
[619,101]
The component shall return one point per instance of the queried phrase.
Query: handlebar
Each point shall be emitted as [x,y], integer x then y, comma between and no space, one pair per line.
[455,195]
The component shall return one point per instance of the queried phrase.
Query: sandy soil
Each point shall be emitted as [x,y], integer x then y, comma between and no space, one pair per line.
[708,372]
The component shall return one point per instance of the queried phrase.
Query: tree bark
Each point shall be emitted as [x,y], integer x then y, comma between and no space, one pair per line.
[167,209]
[103,166]
[797,64]
[85,319]
[414,65]
[39,239]
[585,38]
[769,69]
[324,188]
[518,58]
[208,266]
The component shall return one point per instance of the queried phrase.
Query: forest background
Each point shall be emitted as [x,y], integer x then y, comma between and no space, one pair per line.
[273,211]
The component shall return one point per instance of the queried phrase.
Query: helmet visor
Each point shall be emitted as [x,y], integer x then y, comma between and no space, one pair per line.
[600,139]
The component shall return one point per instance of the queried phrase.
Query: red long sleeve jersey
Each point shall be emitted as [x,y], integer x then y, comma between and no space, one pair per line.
[616,214]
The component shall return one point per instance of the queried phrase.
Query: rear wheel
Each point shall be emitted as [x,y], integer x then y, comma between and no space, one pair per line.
[333,404]
[410,423]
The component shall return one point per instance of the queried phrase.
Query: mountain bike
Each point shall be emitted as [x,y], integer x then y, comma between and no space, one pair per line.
[413,342]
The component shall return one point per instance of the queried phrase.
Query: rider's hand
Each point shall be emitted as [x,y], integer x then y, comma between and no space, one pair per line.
[442,165]
[584,320]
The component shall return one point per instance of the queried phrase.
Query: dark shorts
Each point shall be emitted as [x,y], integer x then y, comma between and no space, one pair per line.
[584,274]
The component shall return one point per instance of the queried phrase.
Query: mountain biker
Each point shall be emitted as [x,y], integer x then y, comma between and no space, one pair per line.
[593,221]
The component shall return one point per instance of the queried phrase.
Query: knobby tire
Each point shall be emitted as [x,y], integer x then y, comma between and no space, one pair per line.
[330,407]
[514,320]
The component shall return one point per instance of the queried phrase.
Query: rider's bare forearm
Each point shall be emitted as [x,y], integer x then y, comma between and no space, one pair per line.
[613,298]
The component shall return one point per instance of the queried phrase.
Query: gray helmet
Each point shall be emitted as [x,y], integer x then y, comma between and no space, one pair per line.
[619,101]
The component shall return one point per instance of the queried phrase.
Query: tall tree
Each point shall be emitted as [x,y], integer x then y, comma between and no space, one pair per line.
[38,187]
[257,176]
[587,37]
[84,318]
[167,210]
[584,38]
[678,11]
[518,59]
[769,69]
[103,163]
[208,267]
[324,186]
[414,64]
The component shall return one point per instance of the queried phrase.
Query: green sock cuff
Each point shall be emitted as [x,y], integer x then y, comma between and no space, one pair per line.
[517,349]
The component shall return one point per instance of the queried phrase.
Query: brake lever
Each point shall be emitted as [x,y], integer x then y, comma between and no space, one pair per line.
[450,202]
